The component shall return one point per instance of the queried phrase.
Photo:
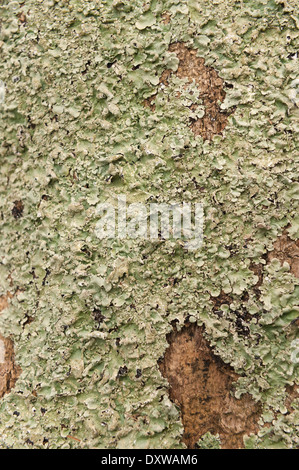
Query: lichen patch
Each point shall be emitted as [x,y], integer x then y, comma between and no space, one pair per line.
[201,385]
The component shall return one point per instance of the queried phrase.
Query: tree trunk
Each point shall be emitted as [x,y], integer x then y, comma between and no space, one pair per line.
[130,340]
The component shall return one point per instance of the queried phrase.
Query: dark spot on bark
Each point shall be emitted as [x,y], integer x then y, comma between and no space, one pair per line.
[222,299]
[122,371]
[18,209]
[28,319]
[241,326]
[98,317]
[109,64]
[86,67]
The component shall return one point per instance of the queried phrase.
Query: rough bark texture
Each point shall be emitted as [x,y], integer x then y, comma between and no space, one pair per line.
[201,384]
[188,101]
[9,371]
[286,250]
[210,87]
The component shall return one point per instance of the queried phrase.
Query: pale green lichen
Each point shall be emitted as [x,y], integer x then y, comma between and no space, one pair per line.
[209,441]
[74,132]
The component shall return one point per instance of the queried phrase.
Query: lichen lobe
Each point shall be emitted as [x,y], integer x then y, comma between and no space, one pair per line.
[201,385]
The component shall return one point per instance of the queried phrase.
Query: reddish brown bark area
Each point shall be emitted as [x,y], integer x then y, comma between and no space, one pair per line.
[211,88]
[286,249]
[4,301]
[201,385]
[166,17]
[292,394]
[9,370]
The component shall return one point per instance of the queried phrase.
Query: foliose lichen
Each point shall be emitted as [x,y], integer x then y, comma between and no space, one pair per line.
[88,318]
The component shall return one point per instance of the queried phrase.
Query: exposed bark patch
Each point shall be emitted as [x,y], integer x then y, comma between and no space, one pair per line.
[286,249]
[211,88]
[166,17]
[201,385]
[9,371]
[258,270]
[292,394]
[18,209]
[4,301]
[222,299]
[22,18]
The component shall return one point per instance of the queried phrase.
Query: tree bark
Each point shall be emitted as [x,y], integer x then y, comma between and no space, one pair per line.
[130,341]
